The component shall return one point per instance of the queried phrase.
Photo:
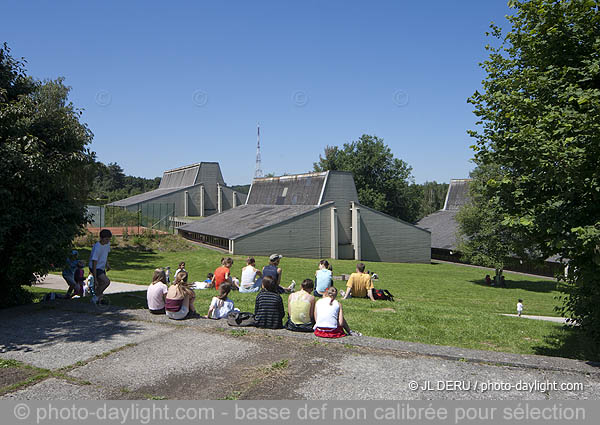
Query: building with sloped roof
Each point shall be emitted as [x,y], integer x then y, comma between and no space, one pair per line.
[196,190]
[312,215]
[442,224]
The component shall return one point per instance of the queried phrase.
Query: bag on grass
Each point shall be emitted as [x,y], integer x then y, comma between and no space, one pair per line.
[241,318]
[382,294]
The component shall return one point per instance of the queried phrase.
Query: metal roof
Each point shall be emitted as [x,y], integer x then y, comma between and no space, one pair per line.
[458,194]
[148,196]
[180,177]
[245,219]
[298,189]
[443,227]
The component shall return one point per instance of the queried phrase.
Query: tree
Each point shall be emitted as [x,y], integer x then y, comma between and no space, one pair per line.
[483,238]
[45,174]
[382,181]
[539,117]
[432,197]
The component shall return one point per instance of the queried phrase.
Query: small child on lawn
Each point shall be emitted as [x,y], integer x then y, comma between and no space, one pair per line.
[520,307]
[221,305]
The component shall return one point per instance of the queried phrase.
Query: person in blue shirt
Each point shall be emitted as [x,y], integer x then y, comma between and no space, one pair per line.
[323,277]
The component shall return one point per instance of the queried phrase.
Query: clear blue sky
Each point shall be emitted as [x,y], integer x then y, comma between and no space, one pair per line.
[165,84]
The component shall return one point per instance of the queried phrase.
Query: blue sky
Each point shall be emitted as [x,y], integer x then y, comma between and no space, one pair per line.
[165,84]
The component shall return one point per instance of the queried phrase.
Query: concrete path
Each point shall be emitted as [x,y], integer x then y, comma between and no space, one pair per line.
[130,354]
[546,318]
[53,281]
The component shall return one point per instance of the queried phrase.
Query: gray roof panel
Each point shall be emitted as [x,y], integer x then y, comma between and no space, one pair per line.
[245,219]
[443,227]
[299,189]
[458,194]
[145,197]
[180,177]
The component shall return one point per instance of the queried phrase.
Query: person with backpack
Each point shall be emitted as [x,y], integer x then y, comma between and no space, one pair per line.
[360,284]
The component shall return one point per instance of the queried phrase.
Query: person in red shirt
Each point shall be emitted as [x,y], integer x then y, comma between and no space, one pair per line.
[223,274]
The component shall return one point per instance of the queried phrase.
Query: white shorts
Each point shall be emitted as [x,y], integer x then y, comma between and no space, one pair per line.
[178,315]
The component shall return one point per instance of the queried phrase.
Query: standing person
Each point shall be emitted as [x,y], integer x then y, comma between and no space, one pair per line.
[323,277]
[360,284]
[268,308]
[68,274]
[221,305]
[99,264]
[301,309]
[329,317]
[179,302]
[157,292]
[519,307]
[251,277]
[274,272]
[223,274]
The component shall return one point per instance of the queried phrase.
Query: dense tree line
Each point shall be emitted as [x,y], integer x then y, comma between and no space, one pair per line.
[111,184]
[383,182]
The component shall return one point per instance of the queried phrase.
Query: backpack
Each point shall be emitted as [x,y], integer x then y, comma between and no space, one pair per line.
[382,294]
[240,318]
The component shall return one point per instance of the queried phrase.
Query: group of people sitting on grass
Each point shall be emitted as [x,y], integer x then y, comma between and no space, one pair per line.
[324,316]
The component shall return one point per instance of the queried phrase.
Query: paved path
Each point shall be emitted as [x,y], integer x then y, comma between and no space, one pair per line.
[546,318]
[119,353]
[53,281]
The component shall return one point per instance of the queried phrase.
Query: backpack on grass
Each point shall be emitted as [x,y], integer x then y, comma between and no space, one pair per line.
[382,294]
[241,318]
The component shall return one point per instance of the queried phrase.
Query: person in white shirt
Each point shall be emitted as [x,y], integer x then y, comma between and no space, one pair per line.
[251,277]
[157,292]
[329,317]
[99,264]
[221,306]
[519,307]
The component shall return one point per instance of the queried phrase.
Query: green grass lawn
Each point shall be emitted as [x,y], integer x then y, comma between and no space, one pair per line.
[437,303]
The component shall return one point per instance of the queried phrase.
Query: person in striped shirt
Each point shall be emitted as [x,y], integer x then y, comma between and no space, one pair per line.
[268,308]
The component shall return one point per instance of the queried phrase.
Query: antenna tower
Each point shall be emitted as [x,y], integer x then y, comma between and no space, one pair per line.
[258,172]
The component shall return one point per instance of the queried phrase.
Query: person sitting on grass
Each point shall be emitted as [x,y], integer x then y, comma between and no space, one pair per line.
[179,302]
[223,274]
[360,284]
[301,309]
[274,272]
[251,277]
[157,292]
[268,308]
[329,317]
[323,277]
[221,306]
[180,268]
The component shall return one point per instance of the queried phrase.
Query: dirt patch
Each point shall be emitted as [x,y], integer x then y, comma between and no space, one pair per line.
[13,375]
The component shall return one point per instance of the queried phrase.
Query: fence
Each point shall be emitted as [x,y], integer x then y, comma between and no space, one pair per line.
[151,216]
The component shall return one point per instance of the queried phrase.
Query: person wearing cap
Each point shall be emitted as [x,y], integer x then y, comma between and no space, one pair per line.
[274,271]
[68,274]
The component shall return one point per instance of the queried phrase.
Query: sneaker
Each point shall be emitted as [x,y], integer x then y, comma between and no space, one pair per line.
[354,333]
[292,285]
[342,293]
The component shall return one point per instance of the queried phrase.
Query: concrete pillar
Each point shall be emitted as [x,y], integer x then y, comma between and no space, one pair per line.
[234,200]
[334,233]
[219,198]
[356,232]
[231,246]
[185,204]
[201,201]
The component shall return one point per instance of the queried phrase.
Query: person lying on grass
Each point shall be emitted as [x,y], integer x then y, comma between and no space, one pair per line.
[329,317]
[221,306]
[179,303]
